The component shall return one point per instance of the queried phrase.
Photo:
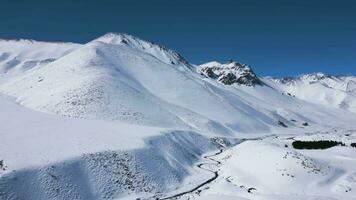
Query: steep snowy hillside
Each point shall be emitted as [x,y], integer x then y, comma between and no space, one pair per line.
[21,55]
[163,54]
[123,118]
[120,77]
[49,157]
[129,81]
[321,89]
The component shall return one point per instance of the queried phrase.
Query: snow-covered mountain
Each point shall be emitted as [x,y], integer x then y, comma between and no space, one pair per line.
[320,88]
[126,81]
[230,73]
[142,83]
[162,53]
[21,55]
[121,117]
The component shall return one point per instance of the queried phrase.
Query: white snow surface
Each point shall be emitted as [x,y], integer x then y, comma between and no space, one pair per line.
[17,56]
[272,169]
[319,88]
[135,82]
[123,118]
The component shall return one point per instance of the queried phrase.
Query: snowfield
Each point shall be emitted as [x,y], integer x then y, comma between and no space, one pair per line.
[339,92]
[17,56]
[123,118]
[272,169]
[45,156]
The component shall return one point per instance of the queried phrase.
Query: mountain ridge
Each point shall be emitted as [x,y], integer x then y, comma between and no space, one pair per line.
[121,77]
[230,73]
[123,118]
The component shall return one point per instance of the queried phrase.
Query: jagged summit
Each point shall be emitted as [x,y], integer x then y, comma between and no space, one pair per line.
[162,53]
[315,77]
[23,54]
[230,73]
[342,83]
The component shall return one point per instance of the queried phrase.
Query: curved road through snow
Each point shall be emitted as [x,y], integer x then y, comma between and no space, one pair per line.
[201,166]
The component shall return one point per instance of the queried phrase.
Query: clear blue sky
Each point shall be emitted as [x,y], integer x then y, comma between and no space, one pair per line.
[276,37]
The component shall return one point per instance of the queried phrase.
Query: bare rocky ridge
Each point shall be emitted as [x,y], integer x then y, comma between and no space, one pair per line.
[230,73]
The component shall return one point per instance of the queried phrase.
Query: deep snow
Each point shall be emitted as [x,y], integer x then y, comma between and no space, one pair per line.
[319,88]
[120,117]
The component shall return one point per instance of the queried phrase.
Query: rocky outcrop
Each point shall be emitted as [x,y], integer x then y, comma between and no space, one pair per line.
[230,73]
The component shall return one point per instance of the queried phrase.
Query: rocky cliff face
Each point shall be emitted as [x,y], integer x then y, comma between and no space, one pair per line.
[230,73]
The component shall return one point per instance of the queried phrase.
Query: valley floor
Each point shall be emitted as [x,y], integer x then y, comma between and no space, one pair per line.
[48,157]
[270,168]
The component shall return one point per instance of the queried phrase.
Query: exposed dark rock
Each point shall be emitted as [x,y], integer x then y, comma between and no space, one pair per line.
[249,190]
[280,123]
[228,79]
[231,73]
[208,72]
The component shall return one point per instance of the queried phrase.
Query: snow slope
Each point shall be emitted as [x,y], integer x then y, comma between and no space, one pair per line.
[321,89]
[121,82]
[120,77]
[120,117]
[49,157]
[17,56]
[272,169]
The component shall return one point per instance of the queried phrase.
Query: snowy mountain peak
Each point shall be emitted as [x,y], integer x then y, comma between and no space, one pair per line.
[162,53]
[230,73]
[123,38]
[314,76]
[320,88]
[306,78]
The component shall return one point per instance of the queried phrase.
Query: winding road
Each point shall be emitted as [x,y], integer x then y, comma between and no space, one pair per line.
[201,166]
